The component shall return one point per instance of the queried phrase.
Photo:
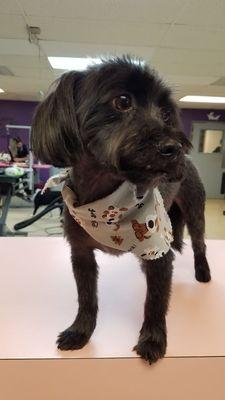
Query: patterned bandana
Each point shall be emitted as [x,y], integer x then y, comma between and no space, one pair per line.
[121,220]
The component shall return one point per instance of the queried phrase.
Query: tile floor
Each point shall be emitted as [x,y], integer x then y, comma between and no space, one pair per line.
[50,225]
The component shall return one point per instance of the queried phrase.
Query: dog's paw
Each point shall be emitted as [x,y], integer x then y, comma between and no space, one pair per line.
[202,271]
[203,275]
[71,340]
[153,347]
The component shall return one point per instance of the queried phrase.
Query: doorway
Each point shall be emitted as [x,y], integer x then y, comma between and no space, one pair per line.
[208,155]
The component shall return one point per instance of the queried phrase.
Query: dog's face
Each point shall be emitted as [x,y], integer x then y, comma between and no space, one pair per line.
[118,112]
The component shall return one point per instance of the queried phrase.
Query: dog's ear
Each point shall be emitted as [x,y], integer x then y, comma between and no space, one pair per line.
[55,137]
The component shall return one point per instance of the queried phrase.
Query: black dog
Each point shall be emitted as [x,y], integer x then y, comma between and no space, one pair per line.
[112,123]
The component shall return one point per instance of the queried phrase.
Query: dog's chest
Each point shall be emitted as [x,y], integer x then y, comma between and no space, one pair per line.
[169,192]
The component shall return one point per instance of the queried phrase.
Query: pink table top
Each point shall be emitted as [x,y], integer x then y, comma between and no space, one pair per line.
[42,166]
[38,300]
[23,165]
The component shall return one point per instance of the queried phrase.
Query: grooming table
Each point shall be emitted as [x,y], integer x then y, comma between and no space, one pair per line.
[38,300]
[8,188]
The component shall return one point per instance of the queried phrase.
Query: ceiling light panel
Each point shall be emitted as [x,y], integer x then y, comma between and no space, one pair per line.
[203,99]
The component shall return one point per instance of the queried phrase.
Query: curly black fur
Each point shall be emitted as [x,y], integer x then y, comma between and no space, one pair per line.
[78,125]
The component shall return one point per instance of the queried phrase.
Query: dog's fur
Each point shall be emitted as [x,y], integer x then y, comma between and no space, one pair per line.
[81,124]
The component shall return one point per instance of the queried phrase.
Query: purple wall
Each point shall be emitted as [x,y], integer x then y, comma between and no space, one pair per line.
[189,116]
[15,113]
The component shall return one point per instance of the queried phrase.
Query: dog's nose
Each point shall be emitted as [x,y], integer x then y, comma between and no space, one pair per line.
[170,148]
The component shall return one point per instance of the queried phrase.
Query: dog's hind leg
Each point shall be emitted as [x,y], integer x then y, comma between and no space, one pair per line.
[196,227]
[191,200]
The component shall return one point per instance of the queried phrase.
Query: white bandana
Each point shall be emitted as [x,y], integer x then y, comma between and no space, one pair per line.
[123,221]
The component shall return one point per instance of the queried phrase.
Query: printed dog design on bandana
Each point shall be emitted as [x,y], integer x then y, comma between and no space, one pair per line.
[152,253]
[140,230]
[113,215]
[93,215]
[118,240]
[145,230]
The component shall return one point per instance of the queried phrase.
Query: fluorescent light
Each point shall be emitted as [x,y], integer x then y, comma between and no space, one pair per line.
[1,90]
[203,99]
[78,64]
[69,63]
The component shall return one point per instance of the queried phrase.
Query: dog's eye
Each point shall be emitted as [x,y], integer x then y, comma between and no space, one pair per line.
[122,103]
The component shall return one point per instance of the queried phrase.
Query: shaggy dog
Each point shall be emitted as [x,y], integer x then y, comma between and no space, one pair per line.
[116,122]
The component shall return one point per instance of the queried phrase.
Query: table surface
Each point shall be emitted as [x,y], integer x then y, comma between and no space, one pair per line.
[38,299]
[24,165]
[9,179]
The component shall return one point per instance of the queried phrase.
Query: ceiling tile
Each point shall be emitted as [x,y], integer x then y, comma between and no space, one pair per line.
[206,13]
[194,38]
[12,26]
[189,80]
[186,56]
[39,73]
[67,49]
[24,61]
[203,91]
[24,85]
[18,47]
[133,34]
[10,7]
[176,68]
[162,11]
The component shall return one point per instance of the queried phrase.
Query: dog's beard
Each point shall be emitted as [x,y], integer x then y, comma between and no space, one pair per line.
[139,163]
[152,177]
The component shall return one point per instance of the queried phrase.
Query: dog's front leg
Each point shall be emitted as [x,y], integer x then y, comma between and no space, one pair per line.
[85,271]
[153,336]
